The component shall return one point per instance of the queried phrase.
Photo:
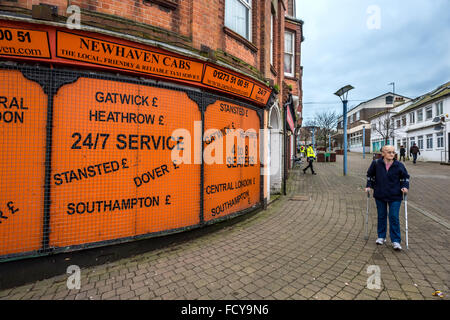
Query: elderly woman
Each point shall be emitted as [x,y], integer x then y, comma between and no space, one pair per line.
[389,180]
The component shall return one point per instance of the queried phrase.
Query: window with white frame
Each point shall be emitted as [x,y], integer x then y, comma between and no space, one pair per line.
[374,126]
[412,118]
[404,120]
[428,113]
[238,17]
[412,140]
[358,116]
[440,139]
[289,53]
[420,142]
[429,141]
[272,20]
[419,115]
[399,124]
[439,108]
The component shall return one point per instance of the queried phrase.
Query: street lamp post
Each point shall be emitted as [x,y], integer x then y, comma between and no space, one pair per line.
[343,95]
[364,141]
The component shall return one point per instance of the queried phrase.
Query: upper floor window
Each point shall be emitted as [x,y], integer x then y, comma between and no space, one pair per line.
[439,108]
[420,115]
[291,8]
[428,113]
[389,99]
[412,118]
[404,120]
[272,20]
[238,17]
[358,115]
[289,53]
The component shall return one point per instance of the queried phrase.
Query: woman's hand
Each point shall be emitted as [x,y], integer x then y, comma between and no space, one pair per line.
[405,191]
[367,189]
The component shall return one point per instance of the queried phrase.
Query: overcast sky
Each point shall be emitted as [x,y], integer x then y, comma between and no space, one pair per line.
[369,44]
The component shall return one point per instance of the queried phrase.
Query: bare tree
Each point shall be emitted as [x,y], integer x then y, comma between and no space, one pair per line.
[385,126]
[306,132]
[327,122]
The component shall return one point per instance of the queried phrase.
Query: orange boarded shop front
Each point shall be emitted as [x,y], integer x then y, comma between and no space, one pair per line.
[23,115]
[232,176]
[112,173]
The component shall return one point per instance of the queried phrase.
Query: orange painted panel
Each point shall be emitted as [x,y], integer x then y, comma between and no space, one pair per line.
[24,43]
[260,94]
[227,81]
[234,184]
[106,53]
[23,114]
[112,174]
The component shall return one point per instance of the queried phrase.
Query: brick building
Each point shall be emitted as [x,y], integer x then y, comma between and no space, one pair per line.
[238,61]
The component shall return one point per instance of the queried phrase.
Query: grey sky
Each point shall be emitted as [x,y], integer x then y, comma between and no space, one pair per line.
[411,47]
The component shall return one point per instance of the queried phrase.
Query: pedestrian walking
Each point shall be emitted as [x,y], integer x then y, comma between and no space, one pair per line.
[402,153]
[414,150]
[389,180]
[310,156]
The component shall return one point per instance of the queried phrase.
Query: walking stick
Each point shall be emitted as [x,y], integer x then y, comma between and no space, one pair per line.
[366,227]
[406,218]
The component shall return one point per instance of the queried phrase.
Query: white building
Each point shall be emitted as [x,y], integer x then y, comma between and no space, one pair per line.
[358,120]
[426,123]
[385,130]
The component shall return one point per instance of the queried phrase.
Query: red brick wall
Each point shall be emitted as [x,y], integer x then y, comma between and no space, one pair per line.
[192,24]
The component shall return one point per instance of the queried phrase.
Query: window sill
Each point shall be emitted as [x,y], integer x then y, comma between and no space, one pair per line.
[169,4]
[290,77]
[240,38]
[272,69]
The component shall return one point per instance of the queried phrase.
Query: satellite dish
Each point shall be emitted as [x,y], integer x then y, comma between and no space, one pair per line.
[437,119]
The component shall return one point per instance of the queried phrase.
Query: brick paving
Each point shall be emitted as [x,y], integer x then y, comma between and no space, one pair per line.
[298,250]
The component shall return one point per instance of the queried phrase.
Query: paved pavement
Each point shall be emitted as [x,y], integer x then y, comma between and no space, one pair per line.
[297,249]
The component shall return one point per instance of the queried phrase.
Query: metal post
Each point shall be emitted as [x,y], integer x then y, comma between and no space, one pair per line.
[345,136]
[329,143]
[364,141]
[313,142]
[285,148]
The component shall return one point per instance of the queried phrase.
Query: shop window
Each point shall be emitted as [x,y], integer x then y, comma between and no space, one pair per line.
[440,139]
[420,142]
[429,141]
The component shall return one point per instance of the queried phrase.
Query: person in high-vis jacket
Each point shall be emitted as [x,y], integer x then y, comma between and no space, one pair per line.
[389,180]
[310,156]
[303,151]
